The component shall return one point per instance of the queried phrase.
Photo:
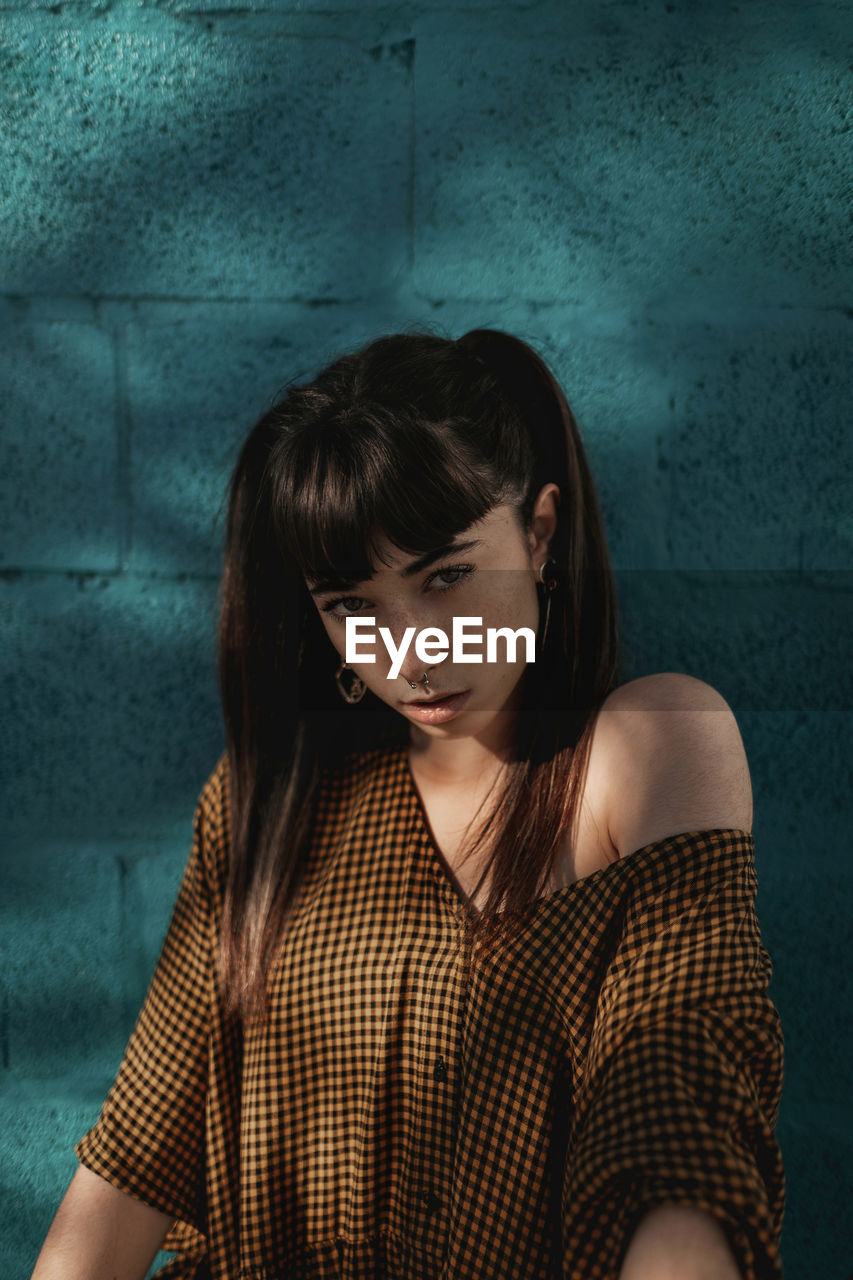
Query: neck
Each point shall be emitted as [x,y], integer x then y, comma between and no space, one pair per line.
[464,761]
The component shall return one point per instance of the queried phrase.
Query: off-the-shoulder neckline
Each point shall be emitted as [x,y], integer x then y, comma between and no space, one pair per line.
[627,865]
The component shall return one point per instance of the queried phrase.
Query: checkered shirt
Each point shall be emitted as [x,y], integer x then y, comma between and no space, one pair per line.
[403,1114]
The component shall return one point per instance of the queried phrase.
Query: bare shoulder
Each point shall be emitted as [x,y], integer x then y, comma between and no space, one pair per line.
[667,756]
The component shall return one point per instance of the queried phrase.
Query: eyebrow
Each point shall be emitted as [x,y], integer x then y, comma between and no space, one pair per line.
[335,583]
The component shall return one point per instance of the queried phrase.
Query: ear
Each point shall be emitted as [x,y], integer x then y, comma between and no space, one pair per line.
[543,524]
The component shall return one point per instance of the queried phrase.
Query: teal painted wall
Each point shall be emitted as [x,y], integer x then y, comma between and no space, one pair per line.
[203,198]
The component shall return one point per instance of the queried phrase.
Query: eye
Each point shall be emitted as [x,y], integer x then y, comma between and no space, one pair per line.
[341,606]
[458,573]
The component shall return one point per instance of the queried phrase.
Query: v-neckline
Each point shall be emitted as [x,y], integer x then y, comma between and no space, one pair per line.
[440,861]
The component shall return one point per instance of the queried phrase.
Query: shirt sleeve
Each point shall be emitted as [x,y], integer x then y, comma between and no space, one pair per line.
[680,1086]
[150,1138]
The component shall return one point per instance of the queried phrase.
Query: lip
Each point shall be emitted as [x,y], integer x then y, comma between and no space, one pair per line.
[438,709]
[431,697]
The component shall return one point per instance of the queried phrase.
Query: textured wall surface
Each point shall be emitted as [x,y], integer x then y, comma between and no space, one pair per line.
[204,198]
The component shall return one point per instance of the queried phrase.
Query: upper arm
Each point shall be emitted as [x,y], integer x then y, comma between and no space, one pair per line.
[675,761]
[100,1231]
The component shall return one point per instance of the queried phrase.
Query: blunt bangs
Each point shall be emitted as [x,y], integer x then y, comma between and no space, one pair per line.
[346,484]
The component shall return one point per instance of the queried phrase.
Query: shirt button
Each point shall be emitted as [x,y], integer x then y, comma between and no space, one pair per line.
[430,1201]
[440,1071]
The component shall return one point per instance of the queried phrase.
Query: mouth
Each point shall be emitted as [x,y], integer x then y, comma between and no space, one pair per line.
[434,701]
[439,708]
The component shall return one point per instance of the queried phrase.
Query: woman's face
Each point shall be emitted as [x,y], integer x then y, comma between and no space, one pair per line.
[487,573]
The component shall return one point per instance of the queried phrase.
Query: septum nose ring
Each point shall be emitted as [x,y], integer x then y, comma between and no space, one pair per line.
[413,684]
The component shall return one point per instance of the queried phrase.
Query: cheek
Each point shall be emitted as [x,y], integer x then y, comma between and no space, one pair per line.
[511,601]
[372,673]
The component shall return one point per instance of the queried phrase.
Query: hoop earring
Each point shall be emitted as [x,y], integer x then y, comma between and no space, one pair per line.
[357,688]
[547,580]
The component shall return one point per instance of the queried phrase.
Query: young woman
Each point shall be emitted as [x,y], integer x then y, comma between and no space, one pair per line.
[464,977]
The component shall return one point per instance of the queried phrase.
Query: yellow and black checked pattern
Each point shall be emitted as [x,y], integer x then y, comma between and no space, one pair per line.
[403,1115]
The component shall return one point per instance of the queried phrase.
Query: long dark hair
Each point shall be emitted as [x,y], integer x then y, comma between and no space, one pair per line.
[413,438]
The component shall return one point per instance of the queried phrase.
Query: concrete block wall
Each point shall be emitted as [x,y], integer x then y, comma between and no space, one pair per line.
[201,199]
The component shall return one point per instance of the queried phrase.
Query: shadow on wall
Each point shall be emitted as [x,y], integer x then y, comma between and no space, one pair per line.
[202,165]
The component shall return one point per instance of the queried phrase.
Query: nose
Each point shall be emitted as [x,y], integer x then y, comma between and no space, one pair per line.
[404,626]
